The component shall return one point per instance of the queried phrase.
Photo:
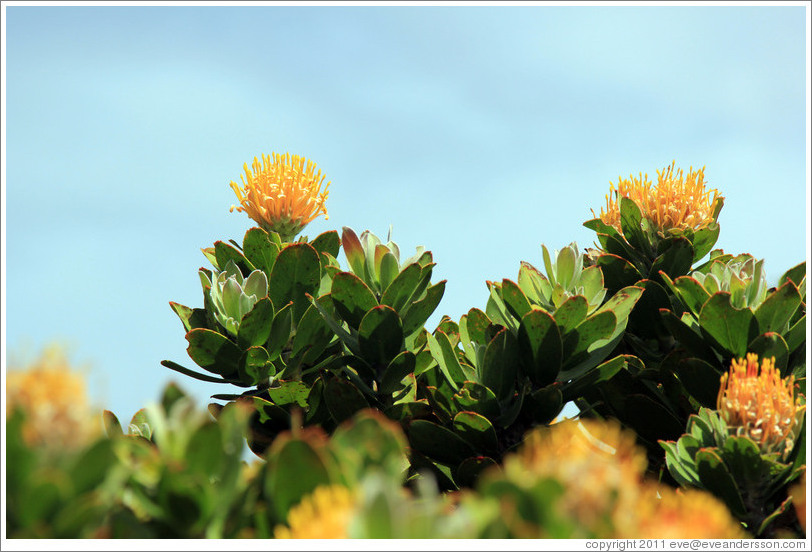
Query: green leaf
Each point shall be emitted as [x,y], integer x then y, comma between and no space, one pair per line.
[352,298]
[644,319]
[295,469]
[514,298]
[540,346]
[440,401]
[571,313]
[704,240]
[329,268]
[313,334]
[213,352]
[295,274]
[534,285]
[438,443]
[388,269]
[204,453]
[599,226]
[208,252]
[406,411]
[415,315]
[795,274]
[674,261]
[511,410]
[630,217]
[354,251]
[499,366]
[782,509]
[446,358]
[774,314]
[197,375]
[343,399]
[700,379]
[622,303]
[477,324]
[678,469]
[617,245]
[171,395]
[225,252]
[477,398]
[401,366]
[496,310]
[617,272]
[289,393]
[743,458]
[771,344]
[255,327]
[93,467]
[592,281]
[260,249]
[565,265]
[255,366]
[477,431]
[267,412]
[467,473]
[280,332]
[543,405]
[380,335]
[796,335]
[715,477]
[327,242]
[112,426]
[687,337]
[587,335]
[191,318]
[424,281]
[398,294]
[692,293]
[603,372]
[727,327]
[369,442]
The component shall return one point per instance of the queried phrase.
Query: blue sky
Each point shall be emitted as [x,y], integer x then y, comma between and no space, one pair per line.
[479,132]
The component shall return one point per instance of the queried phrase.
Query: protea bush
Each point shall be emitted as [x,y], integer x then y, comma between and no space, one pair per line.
[685,374]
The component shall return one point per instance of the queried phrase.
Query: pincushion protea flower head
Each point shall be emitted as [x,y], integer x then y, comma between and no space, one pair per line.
[282,194]
[324,514]
[678,201]
[761,405]
[598,463]
[685,514]
[54,401]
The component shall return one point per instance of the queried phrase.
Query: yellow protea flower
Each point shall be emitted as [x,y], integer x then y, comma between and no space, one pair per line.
[678,201]
[324,514]
[761,404]
[684,514]
[54,401]
[599,465]
[282,194]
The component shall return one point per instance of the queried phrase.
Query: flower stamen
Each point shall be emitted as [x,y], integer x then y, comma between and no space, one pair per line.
[282,195]
[760,404]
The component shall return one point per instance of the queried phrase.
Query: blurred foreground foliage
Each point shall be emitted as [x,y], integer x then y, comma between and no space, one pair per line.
[368,425]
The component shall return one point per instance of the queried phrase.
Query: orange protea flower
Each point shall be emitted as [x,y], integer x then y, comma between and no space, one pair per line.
[599,465]
[685,514]
[324,514]
[761,405]
[798,494]
[677,201]
[283,195]
[54,401]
